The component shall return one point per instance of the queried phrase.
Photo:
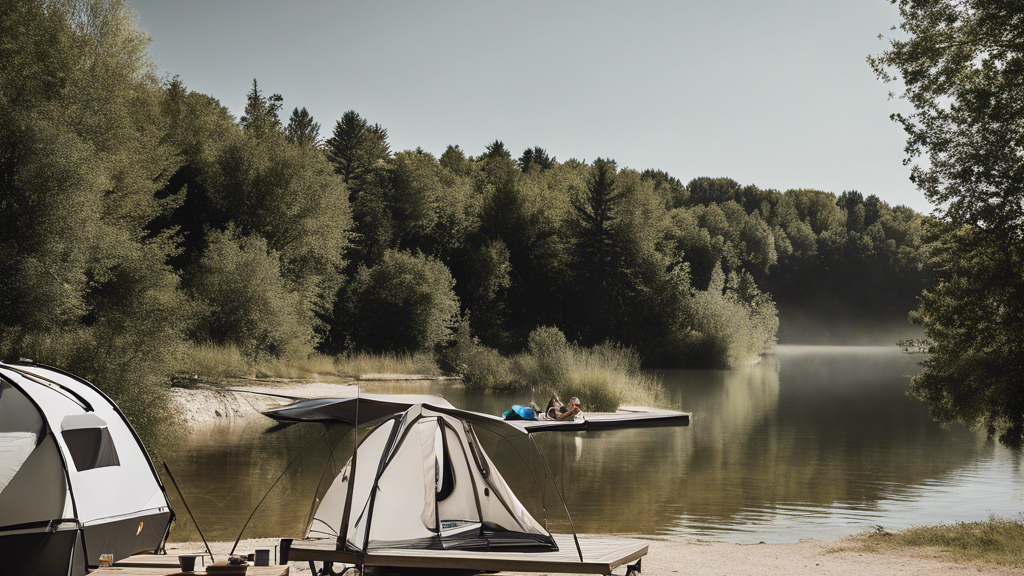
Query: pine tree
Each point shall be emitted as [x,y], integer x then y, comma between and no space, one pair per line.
[355,146]
[302,130]
[261,116]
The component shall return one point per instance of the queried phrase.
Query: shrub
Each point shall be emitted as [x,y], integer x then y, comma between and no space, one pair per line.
[603,377]
[249,304]
[406,303]
[216,361]
[481,368]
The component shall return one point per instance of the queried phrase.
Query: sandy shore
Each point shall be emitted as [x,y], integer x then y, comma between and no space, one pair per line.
[666,558]
[201,403]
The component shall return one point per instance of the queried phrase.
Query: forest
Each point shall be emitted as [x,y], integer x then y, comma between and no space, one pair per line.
[142,219]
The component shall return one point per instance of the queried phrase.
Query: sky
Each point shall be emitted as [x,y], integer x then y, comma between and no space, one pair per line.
[776,94]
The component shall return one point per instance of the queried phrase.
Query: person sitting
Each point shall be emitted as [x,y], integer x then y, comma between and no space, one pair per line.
[556,411]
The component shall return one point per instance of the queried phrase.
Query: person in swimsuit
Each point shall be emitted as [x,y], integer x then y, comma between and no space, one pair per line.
[556,411]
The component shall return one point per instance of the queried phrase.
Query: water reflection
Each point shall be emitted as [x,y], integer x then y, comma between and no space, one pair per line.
[812,441]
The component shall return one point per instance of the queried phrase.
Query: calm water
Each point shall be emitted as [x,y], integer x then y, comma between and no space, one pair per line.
[812,442]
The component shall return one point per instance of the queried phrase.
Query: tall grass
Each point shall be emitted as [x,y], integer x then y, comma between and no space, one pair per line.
[603,377]
[357,363]
[997,541]
[219,361]
[216,361]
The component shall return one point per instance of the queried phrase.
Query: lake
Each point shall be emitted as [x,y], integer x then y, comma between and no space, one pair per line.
[813,441]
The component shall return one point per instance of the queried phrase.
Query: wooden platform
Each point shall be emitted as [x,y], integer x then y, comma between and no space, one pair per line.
[165,564]
[157,571]
[601,555]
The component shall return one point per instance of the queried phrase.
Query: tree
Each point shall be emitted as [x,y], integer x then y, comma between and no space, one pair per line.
[302,130]
[248,303]
[405,303]
[597,259]
[355,147]
[962,67]
[83,284]
[261,113]
[496,149]
[536,156]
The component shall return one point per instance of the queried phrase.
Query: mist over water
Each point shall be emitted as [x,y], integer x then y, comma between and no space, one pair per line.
[812,441]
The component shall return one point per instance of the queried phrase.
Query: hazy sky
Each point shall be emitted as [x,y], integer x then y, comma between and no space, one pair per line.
[776,94]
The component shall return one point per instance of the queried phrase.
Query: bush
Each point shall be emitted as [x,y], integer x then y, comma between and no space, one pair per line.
[603,377]
[249,304]
[406,303]
[481,368]
[728,326]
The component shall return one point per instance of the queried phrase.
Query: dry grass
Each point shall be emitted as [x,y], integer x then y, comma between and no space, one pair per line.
[997,541]
[216,361]
[314,365]
[356,363]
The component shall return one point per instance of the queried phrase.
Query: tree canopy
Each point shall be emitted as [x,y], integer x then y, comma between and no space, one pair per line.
[962,68]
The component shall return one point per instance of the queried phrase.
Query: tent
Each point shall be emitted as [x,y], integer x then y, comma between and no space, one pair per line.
[423,481]
[426,495]
[75,481]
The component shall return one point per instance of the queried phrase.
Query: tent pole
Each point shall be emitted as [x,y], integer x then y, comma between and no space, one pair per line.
[347,513]
[269,490]
[566,508]
[189,510]
[376,479]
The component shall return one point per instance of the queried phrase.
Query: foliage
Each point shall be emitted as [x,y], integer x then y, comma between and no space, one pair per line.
[215,361]
[83,284]
[405,303]
[962,68]
[355,146]
[603,377]
[249,303]
[302,130]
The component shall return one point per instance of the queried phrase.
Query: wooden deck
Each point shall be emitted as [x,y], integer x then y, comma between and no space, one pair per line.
[165,571]
[601,555]
[166,564]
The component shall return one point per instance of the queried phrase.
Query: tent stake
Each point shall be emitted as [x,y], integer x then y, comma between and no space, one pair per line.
[189,510]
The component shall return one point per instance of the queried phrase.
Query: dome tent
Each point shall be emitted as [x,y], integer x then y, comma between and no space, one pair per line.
[422,481]
[75,481]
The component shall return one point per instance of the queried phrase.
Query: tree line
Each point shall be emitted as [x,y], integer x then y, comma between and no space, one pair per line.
[142,217]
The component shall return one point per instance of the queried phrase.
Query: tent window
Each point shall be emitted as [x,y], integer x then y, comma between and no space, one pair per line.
[91,448]
[446,482]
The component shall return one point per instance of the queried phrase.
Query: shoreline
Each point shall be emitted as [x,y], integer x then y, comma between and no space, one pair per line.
[667,557]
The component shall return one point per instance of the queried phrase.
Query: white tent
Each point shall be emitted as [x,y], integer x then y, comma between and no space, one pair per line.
[75,481]
[422,480]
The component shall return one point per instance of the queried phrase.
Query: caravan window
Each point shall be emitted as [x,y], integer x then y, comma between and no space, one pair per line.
[89,441]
